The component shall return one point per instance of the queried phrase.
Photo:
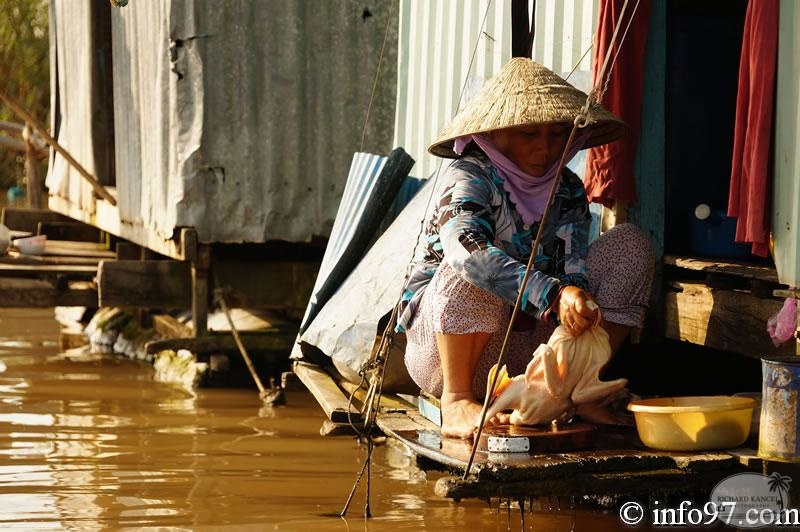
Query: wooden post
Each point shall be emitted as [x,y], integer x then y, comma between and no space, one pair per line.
[34,177]
[200,268]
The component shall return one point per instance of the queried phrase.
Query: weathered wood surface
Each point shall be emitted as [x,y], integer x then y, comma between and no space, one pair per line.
[74,231]
[42,294]
[28,219]
[217,342]
[168,327]
[38,270]
[388,402]
[144,284]
[168,283]
[15,257]
[329,396]
[266,284]
[723,319]
[66,248]
[605,470]
[739,269]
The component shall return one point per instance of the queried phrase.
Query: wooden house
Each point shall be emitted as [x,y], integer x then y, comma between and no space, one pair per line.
[222,133]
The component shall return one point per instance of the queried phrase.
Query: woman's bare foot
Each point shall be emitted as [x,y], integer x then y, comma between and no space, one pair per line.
[460,413]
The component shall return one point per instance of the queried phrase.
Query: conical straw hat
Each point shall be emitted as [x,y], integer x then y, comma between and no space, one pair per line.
[524,93]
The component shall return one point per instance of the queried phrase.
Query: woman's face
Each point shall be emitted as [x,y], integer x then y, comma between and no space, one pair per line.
[533,149]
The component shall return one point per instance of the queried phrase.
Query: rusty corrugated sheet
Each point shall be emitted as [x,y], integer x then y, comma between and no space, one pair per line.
[236,117]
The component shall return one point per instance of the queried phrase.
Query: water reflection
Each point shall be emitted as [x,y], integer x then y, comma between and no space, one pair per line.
[92,442]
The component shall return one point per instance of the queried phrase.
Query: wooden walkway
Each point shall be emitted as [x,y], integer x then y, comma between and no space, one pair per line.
[618,465]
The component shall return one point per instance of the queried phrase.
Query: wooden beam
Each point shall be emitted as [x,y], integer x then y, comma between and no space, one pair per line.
[200,283]
[723,319]
[75,231]
[107,218]
[267,284]
[324,389]
[216,342]
[35,270]
[144,284]
[41,294]
[15,257]
[28,219]
[731,267]
[169,327]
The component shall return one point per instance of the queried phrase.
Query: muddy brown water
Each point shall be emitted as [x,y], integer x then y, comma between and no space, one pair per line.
[92,442]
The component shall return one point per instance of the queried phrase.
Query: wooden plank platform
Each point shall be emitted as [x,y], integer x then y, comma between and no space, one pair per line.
[618,465]
[224,341]
[327,393]
[38,293]
[27,220]
[33,270]
[730,320]
[15,257]
[727,267]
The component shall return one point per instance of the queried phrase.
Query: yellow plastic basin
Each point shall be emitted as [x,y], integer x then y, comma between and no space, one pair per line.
[693,423]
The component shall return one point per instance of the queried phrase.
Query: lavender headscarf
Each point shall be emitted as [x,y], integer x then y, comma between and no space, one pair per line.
[529,193]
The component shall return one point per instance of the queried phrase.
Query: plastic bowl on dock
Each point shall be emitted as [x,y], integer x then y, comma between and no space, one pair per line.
[32,245]
[693,423]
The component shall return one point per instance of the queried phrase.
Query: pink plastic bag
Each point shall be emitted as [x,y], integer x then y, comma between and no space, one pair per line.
[781,325]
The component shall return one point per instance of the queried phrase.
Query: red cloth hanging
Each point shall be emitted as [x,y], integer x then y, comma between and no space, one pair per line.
[750,169]
[609,168]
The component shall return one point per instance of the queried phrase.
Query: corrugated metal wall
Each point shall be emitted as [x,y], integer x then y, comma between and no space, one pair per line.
[240,118]
[75,73]
[437,38]
[786,190]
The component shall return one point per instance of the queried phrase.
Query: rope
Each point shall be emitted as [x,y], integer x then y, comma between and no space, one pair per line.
[581,120]
[377,74]
[377,365]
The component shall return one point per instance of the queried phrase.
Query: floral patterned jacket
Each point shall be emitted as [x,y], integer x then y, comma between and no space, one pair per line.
[477,230]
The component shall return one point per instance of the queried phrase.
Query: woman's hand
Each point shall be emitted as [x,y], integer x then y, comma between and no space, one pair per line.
[577,310]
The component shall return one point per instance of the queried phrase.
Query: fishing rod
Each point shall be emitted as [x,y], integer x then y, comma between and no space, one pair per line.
[581,121]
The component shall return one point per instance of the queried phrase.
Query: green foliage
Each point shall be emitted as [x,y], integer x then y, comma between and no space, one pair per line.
[24,71]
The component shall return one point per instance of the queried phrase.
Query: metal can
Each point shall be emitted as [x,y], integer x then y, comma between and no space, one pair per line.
[779,413]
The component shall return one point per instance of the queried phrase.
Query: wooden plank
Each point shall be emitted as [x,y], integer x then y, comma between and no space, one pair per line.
[168,327]
[128,251]
[41,294]
[34,270]
[267,284]
[106,218]
[216,342]
[324,389]
[75,231]
[144,284]
[167,284]
[723,319]
[739,269]
[389,402]
[28,219]
[15,257]
[65,248]
[622,484]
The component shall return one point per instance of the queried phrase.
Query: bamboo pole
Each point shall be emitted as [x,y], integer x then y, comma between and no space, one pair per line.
[42,132]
